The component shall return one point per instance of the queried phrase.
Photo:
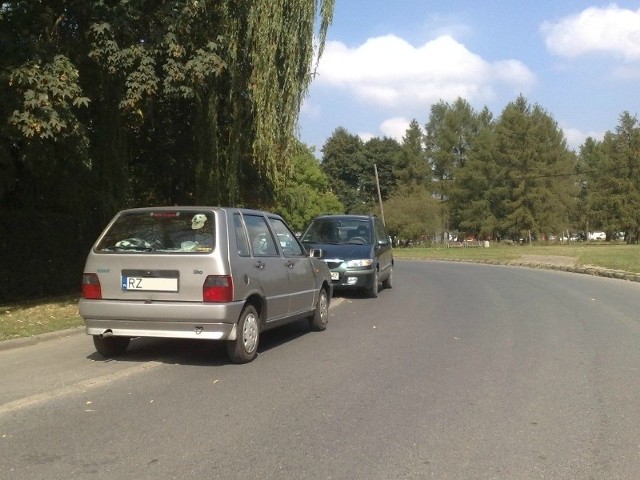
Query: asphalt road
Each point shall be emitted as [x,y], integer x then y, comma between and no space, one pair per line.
[461,371]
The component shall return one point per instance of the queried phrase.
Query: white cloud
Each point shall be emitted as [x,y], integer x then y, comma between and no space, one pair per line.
[366,136]
[609,30]
[395,127]
[390,72]
[575,137]
[312,110]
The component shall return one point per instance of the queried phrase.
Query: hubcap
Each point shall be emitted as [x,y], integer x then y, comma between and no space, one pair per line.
[324,309]
[250,333]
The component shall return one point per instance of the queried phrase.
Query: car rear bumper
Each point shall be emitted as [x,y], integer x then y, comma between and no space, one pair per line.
[161,319]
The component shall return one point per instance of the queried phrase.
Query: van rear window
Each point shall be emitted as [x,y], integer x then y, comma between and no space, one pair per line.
[171,231]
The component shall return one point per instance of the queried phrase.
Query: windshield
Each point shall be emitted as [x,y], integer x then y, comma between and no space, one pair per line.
[338,231]
[160,231]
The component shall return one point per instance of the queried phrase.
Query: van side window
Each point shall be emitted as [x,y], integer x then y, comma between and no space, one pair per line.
[381,233]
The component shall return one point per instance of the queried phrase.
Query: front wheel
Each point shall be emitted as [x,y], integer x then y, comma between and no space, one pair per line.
[110,346]
[245,347]
[388,282]
[372,291]
[320,317]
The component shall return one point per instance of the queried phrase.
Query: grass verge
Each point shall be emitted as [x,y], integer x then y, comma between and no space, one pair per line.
[612,256]
[38,317]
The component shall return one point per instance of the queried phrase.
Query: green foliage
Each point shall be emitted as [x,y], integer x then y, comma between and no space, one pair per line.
[477,187]
[411,167]
[50,91]
[383,153]
[536,169]
[610,172]
[343,161]
[143,103]
[349,165]
[220,83]
[412,215]
[306,192]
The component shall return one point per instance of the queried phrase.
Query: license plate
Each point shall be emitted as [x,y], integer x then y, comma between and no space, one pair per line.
[150,284]
[335,276]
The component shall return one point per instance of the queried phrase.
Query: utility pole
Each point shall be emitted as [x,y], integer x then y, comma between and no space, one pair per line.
[375,169]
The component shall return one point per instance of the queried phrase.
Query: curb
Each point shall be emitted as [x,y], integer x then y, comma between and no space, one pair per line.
[35,339]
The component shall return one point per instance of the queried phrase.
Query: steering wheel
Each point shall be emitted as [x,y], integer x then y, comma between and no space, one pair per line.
[359,240]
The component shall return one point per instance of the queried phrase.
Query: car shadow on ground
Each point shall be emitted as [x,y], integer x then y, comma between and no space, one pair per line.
[199,352]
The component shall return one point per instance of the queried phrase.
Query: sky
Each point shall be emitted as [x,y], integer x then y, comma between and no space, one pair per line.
[387,62]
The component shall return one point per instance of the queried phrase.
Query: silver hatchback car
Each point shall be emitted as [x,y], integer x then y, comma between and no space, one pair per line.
[207,273]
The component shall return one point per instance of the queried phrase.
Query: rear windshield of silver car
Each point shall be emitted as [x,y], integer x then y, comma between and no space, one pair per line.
[170,231]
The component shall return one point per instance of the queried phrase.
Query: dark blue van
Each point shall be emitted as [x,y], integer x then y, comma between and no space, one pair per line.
[356,248]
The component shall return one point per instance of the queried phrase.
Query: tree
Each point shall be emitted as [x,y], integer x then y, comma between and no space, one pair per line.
[612,174]
[343,161]
[412,216]
[383,153]
[474,191]
[536,169]
[306,192]
[220,83]
[411,169]
[449,134]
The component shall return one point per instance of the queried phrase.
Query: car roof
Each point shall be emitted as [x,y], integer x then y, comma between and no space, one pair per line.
[199,208]
[346,217]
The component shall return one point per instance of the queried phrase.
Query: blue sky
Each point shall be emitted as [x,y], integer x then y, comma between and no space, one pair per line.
[386,62]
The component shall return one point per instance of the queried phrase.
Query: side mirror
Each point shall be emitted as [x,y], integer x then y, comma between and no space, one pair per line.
[315,253]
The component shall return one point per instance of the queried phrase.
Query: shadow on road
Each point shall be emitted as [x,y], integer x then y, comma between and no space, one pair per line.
[199,352]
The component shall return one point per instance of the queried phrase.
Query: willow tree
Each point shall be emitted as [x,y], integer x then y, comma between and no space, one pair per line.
[269,69]
[240,68]
[142,93]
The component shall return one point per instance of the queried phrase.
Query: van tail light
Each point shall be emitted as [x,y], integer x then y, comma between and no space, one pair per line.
[217,289]
[91,288]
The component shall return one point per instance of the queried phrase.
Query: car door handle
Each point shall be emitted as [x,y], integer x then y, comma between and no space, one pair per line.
[259,264]
[290,263]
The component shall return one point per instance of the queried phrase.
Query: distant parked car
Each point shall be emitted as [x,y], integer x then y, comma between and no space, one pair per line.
[199,272]
[356,248]
[597,236]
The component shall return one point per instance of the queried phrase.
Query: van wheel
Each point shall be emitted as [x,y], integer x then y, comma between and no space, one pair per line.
[110,346]
[388,282]
[245,347]
[320,318]
[372,291]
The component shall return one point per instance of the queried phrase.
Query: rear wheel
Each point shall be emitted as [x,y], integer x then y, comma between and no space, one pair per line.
[245,347]
[320,317]
[110,346]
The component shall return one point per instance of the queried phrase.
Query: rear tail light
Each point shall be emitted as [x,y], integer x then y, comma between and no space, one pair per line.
[91,286]
[217,289]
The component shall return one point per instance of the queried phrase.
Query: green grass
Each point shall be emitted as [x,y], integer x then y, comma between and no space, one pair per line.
[614,256]
[38,317]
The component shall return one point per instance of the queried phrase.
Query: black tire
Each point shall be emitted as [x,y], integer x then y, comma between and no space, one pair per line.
[110,346]
[245,347]
[388,282]
[372,291]
[320,318]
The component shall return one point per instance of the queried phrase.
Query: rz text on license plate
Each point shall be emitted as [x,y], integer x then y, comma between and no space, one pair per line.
[150,284]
